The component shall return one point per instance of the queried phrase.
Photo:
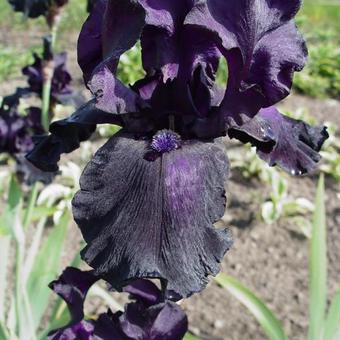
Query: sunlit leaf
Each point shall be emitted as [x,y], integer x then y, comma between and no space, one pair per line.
[4,256]
[270,324]
[332,325]
[46,268]
[318,267]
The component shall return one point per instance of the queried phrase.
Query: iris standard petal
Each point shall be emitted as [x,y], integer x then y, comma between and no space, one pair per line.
[155,219]
[291,144]
[262,46]
[111,95]
[89,47]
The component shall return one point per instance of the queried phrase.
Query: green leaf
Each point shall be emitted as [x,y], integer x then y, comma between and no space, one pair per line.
[30,206]
[15,194]
[332,325]
[4,256]
[270,324]
[60,315]
[318,267]
[12,207]
[3,332]
[46,268]
[42,212]
[190,336]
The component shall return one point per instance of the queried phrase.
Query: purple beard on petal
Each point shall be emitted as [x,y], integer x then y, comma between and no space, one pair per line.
[165,141]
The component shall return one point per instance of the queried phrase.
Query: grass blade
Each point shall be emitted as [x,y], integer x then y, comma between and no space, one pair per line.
[190,336]
[46,268]
[60,315]
[318,267]
[5,242]
[3,332]
[332,325]
[270,324]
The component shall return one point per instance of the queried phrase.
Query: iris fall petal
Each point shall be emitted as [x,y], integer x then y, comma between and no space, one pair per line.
[155,219]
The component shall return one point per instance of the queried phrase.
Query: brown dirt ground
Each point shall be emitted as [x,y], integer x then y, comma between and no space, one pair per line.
[270,260]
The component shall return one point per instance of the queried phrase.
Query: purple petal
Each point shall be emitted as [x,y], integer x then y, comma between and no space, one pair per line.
[29,174]
[291,144]
[90,40]
[171,323]
[155,219]
[144,290]
[84,330]
[72,286]
[160,322]
[111,95]
[160,41]
[67,134]
[111,29]
[262,46]
[107,327]
[61,81]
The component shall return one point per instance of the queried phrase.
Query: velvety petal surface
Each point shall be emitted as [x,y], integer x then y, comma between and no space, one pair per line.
[156,217]
[291,144]
[262,46]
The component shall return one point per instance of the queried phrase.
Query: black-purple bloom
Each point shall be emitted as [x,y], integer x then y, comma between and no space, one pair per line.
[150,317]
[90,5]
[35,8]
[61,80]
[16,129]
[150,197]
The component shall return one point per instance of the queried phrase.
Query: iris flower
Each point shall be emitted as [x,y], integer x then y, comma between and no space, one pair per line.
[35,8]
[61,81]
[151,195]
[149,317]
[16,129]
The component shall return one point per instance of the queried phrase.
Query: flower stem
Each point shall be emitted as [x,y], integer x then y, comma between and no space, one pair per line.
[46,93]
[48,71]
[31,204]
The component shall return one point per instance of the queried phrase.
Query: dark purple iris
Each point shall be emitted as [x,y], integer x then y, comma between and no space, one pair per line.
[16,129]
[35,8]
[154,216]
[61,80]
[90,5]
[149,317]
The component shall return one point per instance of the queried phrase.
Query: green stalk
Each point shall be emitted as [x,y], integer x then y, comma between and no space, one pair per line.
[47,83]
[31,204]
[46,94]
